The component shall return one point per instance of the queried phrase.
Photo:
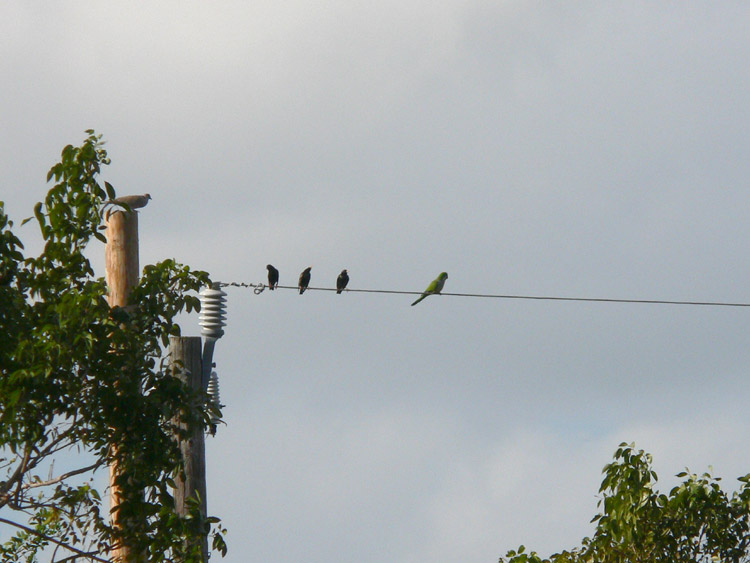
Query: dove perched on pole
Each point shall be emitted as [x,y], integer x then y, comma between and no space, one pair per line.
[435,287]
[304,280]
[273,277]
[341,281]
[130,202]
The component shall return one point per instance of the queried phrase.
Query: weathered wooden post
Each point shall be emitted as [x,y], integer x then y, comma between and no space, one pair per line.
[121,263]
[194,369]
[185,363]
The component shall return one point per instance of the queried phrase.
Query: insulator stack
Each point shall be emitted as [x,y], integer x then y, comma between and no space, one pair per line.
[212,318]
[213,389]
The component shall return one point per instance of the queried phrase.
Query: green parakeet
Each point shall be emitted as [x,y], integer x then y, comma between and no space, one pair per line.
[435,287]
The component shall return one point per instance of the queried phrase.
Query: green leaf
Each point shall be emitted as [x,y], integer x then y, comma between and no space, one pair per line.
[39,215]
[110,190]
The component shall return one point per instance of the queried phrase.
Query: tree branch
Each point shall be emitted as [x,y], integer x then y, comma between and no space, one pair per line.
[63,476]
[77,551]
[17,474]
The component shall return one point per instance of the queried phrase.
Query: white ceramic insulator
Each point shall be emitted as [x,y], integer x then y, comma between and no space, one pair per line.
[212,317]
[213,389]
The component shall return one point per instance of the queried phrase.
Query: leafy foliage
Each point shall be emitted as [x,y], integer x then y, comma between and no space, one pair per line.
[697,522]
[77,377]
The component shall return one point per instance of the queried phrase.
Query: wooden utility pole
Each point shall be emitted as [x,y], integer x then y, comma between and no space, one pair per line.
[121,256]
[186,364]
[121,262]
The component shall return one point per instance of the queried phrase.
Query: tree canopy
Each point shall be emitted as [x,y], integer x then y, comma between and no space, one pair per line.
[697,522]
[77,377]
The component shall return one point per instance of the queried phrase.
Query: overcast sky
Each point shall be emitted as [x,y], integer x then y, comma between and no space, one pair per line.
[587,149]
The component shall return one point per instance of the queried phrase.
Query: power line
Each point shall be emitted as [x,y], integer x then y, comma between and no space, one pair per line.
[260,287]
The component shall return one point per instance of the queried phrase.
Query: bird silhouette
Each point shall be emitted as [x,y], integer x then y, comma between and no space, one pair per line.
[342,281]
[273,277]
[304,279]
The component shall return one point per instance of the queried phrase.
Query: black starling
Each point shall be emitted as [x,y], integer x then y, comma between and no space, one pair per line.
[304,280]
[341,281]
[273,277]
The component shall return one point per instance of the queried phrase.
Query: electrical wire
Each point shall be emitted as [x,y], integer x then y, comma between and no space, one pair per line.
[260,287]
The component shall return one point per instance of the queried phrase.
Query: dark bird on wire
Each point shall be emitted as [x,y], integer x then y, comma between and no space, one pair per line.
[273,277]
[304,280]
[341,281]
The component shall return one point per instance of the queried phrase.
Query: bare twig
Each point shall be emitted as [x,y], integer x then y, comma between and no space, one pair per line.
[20,470]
